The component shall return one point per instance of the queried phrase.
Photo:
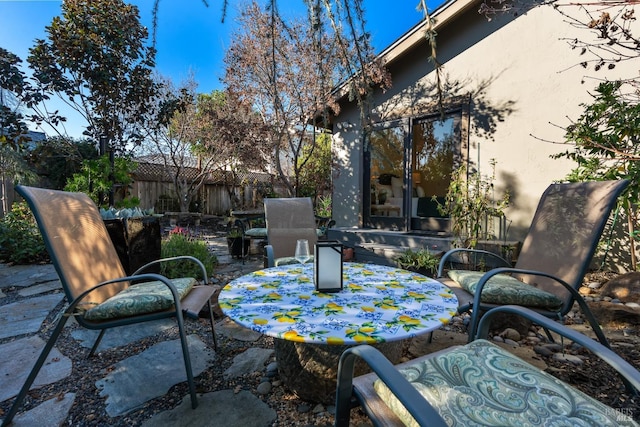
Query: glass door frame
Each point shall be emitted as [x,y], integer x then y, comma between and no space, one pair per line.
[406,222]
[394,223]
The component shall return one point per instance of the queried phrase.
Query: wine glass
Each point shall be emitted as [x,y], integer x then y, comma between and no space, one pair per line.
[302,251]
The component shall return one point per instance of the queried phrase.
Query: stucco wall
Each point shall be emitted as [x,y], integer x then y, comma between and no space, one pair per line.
[524,82]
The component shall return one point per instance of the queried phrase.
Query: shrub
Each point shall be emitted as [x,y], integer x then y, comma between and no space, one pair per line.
[180,244]
[20,239]
[469,201]
[421,261]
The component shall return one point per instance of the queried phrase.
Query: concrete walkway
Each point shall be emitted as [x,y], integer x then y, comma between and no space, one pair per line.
[40,293]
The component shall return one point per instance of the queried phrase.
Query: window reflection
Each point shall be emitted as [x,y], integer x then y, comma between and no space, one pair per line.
[428,147]
[386,171]
[434,147]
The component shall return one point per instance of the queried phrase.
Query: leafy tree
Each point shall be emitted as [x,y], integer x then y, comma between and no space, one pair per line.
[174,136]
[13,168]
[232,133]
[56,159]
[605,144]
[95,58]
[285,71]
[97,178]
[315,178]
[222,133]
[18,93]
[14,87]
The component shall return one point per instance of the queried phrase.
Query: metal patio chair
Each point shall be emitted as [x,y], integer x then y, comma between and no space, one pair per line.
[555,256]
[479,383]
[287,220]
[100,295]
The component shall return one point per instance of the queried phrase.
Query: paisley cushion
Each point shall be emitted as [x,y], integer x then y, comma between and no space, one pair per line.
[141,298]
[503,289]
[482,384]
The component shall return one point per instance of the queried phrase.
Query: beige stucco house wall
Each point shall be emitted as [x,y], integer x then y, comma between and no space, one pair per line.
[520,81]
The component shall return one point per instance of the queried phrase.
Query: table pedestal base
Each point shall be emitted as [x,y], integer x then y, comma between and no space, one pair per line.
[310,370]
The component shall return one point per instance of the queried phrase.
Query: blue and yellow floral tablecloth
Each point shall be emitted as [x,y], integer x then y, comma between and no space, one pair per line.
[377,304]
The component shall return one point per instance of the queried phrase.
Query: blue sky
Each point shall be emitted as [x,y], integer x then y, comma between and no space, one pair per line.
[191,36]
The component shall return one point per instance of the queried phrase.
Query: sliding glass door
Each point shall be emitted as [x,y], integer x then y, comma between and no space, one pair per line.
[408,166]
[385,155]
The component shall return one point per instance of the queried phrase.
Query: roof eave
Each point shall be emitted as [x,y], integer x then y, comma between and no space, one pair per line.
[443,15]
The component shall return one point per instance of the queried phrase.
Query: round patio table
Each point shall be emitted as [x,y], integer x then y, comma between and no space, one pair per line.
[378,305]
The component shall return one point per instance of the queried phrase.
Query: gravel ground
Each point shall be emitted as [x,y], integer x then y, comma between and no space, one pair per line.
[89,408]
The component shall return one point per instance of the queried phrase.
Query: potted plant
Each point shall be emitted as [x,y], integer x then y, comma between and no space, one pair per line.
[135,235]
[421,261]
[238,245]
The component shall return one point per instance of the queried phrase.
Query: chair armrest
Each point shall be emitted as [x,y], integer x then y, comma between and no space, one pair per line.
[175,258]
[418,406]
[269,259]
[484,254]
[574,293]
[147,277]
[324,221]
[611,358]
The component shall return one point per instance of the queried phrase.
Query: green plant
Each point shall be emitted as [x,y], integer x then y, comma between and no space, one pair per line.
[128,203]
[469,201]
[422,259]
[20,239]
[97,179]
[179,244]
[604,142]
[323,206]
[314,166]
[234,233]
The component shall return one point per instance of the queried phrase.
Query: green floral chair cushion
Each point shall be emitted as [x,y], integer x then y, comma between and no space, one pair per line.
[289,260]
[141,298]
[482,384]
[257,232]
[503,289]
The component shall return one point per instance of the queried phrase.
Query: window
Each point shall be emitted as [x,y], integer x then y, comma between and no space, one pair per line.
[410,162]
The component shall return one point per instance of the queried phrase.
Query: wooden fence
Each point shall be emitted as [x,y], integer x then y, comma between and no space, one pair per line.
[214,198]
[155,191]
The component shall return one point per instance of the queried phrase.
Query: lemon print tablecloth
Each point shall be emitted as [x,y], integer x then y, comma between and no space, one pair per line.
[377,304]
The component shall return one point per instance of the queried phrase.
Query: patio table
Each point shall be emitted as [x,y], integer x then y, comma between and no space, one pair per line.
[378,305]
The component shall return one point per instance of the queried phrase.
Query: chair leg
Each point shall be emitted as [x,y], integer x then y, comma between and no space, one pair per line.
[36,368]
[473,324]
[97,342]
[213,330]
[603,340]
[430,340]
[549,336]
[594,323]
[187,359]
